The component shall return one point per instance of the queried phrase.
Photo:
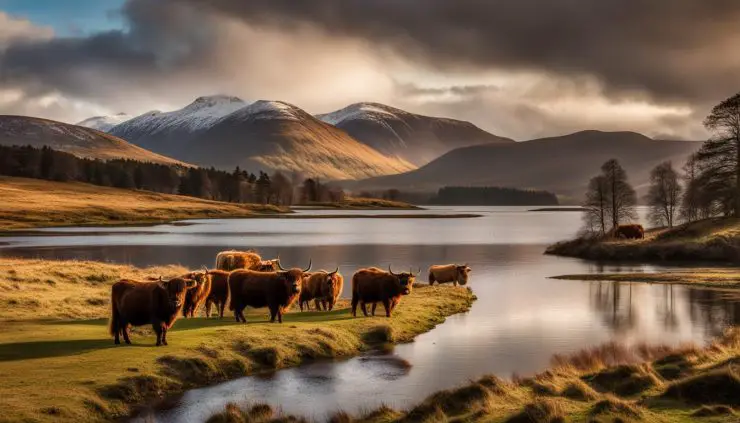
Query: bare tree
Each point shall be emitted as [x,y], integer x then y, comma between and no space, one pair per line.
[595,216]
[690,201]
[719,157]
[621,197]
[664,195]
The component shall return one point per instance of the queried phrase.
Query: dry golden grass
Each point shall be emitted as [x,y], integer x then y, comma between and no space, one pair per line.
[363,203]
[58,363]
[30,203]
[715,239]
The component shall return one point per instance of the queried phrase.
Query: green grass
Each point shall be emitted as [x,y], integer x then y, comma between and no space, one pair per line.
[711,240]
[612,383]
[58,363]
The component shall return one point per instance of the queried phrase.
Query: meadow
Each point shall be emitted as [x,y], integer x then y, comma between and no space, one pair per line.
[58,363]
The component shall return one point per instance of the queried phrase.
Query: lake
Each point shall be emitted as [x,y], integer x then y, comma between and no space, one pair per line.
[520,320]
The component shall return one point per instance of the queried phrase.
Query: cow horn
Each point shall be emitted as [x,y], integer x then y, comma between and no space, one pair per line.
[391,271]
[335,271]
[280,266]
[310,263]
[205,268]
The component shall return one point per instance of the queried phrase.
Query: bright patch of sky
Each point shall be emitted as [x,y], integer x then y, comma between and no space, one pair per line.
[67,17]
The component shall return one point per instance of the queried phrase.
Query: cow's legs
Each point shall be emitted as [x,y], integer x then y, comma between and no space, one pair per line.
[355,300]
[157,326]
[375,305]
[124,330]
[208,308]
[280,314]
[221,308]
[273,314]
[364,308]
[164,335]
[454,283]
[387,305]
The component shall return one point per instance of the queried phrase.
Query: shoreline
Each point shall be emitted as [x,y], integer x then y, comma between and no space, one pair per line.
[44,330]
[720,278]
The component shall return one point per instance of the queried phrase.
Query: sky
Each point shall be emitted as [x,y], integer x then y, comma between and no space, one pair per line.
[518,68]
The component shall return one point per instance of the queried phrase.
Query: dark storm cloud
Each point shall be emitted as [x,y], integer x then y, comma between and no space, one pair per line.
[670,50]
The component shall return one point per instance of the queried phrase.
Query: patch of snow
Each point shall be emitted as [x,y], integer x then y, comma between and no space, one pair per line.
[104,123]
[265,109]
[360,111]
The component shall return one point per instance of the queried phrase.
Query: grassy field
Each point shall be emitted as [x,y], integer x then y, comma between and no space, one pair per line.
[611,383]
[715,240]
[32,203]
[58,363]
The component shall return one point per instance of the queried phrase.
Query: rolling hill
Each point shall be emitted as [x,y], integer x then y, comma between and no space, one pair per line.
[77,140]
[562,165]
[226,132]
[415,138]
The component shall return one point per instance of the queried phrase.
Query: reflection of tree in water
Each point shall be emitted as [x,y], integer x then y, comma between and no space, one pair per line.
[613,301]
[714,310]
[667,308]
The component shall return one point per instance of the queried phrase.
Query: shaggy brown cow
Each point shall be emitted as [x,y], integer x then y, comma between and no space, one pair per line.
[232,260]
[630,232]
[140,303]
[219,295]
[374,285]
[323,287]
[454,273]
[275,290]
[196,297]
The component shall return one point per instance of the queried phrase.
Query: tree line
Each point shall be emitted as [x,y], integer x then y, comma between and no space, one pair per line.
[708,186]
[493,196]
[239,186]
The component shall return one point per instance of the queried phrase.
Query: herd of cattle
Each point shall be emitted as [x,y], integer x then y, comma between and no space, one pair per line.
[243,279]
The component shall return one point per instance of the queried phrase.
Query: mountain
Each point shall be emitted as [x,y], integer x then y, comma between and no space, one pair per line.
[226,132]
[77,140]
[104,123]
[562,165]
[415,138]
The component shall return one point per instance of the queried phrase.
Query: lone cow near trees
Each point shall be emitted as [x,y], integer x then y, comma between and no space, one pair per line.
[140,303]
[374,285]
[633,231]
[275,290]
[454,273]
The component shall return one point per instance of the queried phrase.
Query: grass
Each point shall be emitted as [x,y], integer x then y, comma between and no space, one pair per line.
[711,240]
[583,387]
[361,203]
[58,363]
[33,203]
[721,278]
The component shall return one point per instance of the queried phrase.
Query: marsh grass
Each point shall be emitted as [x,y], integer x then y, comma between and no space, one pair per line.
[631,390]
[362,203]
[58,362]
[32,203]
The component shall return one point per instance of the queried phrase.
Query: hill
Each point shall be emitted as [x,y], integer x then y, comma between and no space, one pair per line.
[104,123]
[77,140]
[30,203]
[562,165]
[415,138]
[226,132]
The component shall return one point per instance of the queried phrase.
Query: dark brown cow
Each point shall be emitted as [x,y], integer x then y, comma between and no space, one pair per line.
[633,231]
[140,303]
[197,296]
[275,290]
[374,285]
[310,289]
[219,295]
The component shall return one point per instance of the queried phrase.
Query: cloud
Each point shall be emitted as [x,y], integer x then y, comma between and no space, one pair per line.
[519,68]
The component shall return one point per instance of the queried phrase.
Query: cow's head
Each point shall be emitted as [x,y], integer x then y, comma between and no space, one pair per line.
[331,279]
[176,290]
[293,278]
[462,273]
[405,279]
[268,265]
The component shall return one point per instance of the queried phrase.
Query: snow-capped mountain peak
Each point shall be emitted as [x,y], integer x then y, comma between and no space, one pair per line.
[367,111]
[267,109]
[104,123]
